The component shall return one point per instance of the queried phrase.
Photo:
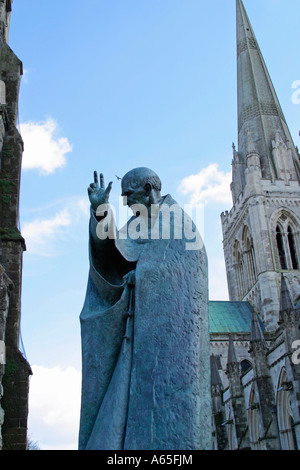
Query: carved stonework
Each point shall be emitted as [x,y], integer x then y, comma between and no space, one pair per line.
[248,43]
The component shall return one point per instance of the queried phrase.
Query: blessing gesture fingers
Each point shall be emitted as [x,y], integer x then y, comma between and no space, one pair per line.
[98,194]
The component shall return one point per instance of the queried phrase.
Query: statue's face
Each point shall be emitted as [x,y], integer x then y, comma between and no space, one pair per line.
[134,193]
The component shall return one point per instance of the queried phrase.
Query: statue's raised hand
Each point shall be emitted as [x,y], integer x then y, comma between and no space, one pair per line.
[98,194]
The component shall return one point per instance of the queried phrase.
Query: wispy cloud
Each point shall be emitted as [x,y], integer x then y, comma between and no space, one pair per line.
[42,234]
[44,150]
[210,185]
[54,407]
[39,231]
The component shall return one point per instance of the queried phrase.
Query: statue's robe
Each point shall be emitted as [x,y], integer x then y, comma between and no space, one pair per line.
[145,348]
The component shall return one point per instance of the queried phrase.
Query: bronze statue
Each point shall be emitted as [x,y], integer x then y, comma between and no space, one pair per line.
[144,325]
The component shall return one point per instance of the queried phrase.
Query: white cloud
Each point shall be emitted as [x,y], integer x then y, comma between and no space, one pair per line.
[41,235]
[80,206]
[38,232]
[209,185]
[43,149]
[54,407]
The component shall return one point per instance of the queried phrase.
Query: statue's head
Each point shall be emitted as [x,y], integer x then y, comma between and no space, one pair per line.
[141,186]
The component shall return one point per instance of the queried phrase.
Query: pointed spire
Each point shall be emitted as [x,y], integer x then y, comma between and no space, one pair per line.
[286,304]
[258,107]
[256,331]
[243,27]
[234,151]
[231,352]
[215,376]
[233,366]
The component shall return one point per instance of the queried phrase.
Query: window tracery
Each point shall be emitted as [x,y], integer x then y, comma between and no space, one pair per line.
[244,263]
[287,242]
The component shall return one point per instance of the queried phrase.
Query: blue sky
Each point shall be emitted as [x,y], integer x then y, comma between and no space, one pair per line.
[109,85]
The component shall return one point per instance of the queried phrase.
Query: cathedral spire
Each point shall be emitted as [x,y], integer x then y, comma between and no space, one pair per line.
[214,376]
[256,331]
[233,367]
[285,298]
[231,352]
[259,110]
[287,310]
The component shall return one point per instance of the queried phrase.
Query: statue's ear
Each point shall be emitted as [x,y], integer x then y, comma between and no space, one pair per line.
[148,188]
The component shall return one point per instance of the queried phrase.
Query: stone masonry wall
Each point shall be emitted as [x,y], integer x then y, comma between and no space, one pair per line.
[5,287]
[14,374]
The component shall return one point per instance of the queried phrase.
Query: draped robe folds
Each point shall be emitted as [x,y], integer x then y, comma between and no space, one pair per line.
[145,347]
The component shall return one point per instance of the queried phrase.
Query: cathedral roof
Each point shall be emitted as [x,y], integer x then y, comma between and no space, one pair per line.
[230,317]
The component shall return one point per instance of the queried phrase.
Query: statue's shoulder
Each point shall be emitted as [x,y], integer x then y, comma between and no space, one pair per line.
[168,200]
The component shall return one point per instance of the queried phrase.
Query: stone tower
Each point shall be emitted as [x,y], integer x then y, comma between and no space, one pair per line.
[261,233]
[14,369]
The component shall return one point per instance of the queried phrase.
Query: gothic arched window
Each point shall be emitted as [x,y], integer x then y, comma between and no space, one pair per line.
[292,248]
[239,270]
[249,259]
[286,240]
[280,247]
